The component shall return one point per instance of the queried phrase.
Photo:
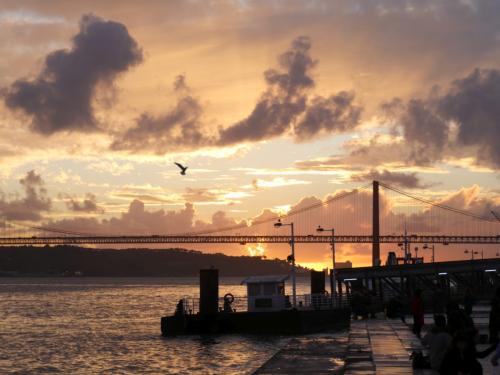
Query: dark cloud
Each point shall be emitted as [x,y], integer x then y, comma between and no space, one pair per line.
[401,179]
[181,128]
[337,113]
[473,103]
[285,103]
[87,204]
[29,207]
[462,121]
[283,108]
[60,97]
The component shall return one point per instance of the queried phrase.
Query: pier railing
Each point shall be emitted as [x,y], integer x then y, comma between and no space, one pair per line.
[240,303]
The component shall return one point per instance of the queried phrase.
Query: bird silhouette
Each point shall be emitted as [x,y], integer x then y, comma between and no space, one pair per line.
[183,169]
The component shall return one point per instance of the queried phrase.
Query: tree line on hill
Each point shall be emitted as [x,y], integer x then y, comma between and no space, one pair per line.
[78,261]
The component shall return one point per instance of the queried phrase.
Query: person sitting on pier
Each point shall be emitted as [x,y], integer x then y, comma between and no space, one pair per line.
[417,310]
[438,341]
[462,356]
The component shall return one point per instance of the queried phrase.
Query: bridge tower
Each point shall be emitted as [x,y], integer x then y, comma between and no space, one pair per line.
[375,227]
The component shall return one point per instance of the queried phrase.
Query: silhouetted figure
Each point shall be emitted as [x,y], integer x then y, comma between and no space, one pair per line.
[228,300]
[417,310]
[179,309]
[462,356]
[494,324]
[438,340]
[469,301]
[495,357]
[359,304]
[394,309]
[458,320]
[439,300]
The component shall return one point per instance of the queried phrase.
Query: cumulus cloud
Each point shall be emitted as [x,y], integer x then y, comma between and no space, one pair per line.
[29,207]
[401,179]
[60,97]
[87,204]
[458,122]
[258,183]
[284,107]
[180,128]
[472,103]
[138,220]
[337,113]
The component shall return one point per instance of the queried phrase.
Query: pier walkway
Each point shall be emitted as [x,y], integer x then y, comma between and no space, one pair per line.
[370,347]
[374,346]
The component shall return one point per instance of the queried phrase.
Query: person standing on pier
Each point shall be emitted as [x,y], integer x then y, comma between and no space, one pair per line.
[468,302]
[494,324]
[417,310]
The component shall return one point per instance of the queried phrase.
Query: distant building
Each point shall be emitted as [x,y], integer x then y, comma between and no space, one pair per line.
[347,264]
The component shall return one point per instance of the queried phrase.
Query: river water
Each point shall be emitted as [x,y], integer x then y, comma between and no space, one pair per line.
[112,325]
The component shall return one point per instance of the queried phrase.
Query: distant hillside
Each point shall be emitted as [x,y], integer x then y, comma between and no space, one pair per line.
[70,260]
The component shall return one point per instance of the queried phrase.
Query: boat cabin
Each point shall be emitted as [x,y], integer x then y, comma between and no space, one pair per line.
[266,293]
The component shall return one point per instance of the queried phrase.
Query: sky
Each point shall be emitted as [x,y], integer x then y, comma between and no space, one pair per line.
[270,104]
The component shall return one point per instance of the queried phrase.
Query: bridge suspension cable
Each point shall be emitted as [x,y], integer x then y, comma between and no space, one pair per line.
[287,215]
[439,205]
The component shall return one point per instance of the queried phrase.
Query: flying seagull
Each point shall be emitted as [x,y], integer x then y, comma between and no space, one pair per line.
[183,169]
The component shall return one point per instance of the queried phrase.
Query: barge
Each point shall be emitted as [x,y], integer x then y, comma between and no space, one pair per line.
[268,309]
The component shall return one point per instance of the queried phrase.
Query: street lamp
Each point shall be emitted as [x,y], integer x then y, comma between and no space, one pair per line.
[332,243]
[471,252]
[291,258]
[430,247]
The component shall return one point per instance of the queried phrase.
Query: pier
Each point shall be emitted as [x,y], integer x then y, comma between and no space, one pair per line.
[370,347]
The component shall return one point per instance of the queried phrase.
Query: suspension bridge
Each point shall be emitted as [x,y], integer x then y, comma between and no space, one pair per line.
[360,216]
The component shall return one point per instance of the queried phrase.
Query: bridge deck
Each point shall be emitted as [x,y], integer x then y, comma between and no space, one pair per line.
[242,239]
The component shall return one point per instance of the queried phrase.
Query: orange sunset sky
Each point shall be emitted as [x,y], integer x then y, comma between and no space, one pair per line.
[273,105]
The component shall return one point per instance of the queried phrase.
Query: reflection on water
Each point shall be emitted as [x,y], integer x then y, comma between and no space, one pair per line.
[112,325]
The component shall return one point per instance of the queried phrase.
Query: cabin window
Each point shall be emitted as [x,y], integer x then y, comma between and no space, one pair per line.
[253,289]
[269,289]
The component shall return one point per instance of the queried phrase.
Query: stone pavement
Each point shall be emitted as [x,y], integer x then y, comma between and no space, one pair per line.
[381,347]
[370,347]
[311,354]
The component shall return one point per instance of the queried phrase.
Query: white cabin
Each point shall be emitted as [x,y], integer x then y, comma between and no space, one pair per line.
[266,293]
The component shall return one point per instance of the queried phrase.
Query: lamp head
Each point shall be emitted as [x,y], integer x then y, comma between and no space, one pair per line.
[319,229]
[425,246]
[278,224]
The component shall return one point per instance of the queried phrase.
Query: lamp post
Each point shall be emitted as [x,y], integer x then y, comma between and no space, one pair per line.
[430,247]
[279,224]
[471,252]
[332,244]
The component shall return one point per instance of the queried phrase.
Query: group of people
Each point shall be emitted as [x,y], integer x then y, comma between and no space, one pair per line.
[452,338]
